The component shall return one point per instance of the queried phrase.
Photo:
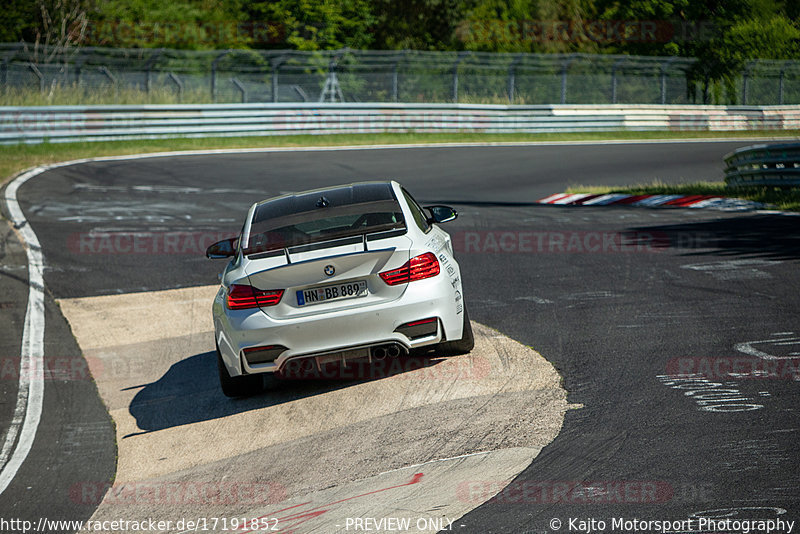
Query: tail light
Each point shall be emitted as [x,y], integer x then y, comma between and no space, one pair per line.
[417,268]
[241,297]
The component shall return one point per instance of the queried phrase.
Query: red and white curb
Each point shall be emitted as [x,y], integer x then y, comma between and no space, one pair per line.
[651,201]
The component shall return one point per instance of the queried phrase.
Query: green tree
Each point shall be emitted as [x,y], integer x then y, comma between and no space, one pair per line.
[670,17]
[317,25]
[418,24]
[18,21]
[722,34]
[528,26]
[187,24]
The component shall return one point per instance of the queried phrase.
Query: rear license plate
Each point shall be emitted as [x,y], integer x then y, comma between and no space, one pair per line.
[347,290]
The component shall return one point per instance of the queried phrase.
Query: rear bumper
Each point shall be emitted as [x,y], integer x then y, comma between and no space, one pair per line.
[311,365]
[343,334]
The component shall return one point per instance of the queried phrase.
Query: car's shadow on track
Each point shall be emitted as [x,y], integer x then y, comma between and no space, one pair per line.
[189,392]
[767,237]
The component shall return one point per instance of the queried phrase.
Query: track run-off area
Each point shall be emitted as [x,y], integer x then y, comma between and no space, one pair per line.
[630,363]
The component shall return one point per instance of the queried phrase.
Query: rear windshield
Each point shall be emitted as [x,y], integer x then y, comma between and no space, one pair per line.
[323,224]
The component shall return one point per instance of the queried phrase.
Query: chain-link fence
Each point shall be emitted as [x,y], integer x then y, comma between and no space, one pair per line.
[99,75]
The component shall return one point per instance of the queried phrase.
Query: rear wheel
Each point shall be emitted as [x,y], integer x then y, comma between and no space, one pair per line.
[237,386]
[459,346]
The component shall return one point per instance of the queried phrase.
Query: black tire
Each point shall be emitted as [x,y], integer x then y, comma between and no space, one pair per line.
[237,386]
[459,346]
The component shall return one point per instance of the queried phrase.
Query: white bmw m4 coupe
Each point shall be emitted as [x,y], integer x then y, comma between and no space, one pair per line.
[330,276]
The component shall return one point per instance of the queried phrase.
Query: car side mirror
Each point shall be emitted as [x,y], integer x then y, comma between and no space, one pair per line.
[441,214]
[222,249]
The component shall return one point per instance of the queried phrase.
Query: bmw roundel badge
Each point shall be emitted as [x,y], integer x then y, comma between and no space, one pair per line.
[330,270]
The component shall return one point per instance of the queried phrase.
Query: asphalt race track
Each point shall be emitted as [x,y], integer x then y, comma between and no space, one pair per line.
[676,333]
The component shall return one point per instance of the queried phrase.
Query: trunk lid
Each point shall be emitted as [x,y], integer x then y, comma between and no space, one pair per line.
[336,268]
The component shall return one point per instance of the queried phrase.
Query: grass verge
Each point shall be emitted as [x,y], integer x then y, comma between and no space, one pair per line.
[15,158]
[776,197]
[103,95]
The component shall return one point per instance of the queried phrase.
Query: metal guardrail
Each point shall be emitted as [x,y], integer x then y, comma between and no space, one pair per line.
[103,123]
[773,165]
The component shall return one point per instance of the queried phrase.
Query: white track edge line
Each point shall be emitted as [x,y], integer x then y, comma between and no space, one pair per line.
[30,394]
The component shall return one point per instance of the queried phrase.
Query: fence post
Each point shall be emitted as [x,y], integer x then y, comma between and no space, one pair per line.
[214,74]
[460,57]
[614,68]
[38,74]
[78,68]
[782,75]
[177,81]
[299,90]
[148,67]
[745,75]
[394,82]
[395,76]
[113,79]
[6,60]
[240,86]
[5,72]
[564,69]
[664,67]
[512,77]
[275,65]
[108,74]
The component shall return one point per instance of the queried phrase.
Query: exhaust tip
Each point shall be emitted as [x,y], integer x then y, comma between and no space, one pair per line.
[292,366]
[389,350]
